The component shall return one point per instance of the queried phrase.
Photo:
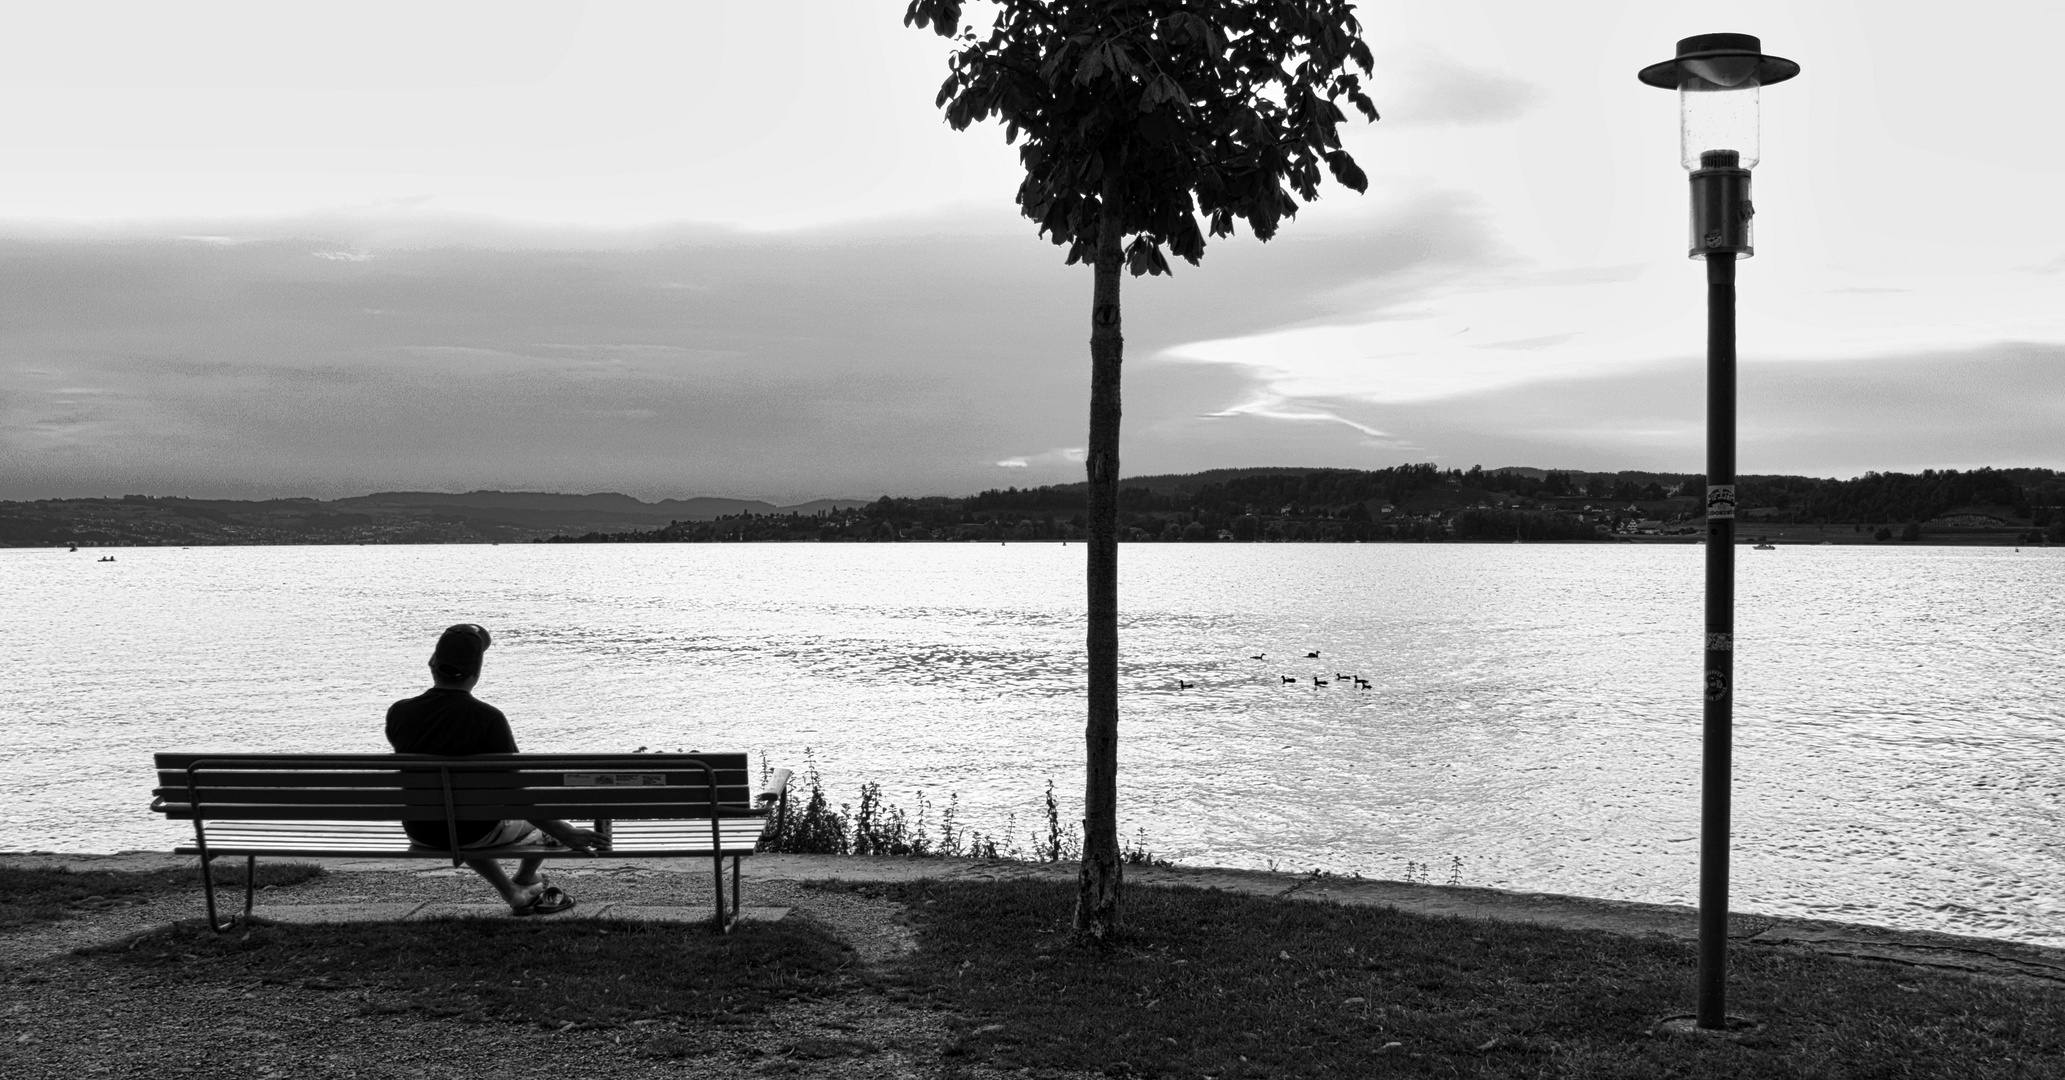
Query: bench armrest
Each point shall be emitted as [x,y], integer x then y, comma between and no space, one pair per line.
[774,802]
[777,788]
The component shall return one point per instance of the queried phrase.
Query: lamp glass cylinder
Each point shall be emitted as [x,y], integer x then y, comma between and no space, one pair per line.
[1716,116]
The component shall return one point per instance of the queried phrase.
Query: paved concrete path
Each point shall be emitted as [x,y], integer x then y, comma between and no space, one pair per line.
[333,913]
[1921,949]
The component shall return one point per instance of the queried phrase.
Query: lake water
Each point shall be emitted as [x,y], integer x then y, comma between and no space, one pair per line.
[1534,710]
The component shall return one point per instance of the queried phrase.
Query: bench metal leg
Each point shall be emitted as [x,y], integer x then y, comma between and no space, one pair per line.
[208,887]
[737,912]
[717,891]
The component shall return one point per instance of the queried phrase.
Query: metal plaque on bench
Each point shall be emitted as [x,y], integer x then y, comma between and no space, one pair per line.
[619,779]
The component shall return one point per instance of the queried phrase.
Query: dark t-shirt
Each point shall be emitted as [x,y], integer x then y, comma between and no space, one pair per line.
[447,721]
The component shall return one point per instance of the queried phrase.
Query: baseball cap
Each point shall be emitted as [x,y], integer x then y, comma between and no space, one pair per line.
[459,648]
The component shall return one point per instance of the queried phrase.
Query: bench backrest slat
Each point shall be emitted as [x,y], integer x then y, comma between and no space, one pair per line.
[431,780]
[180,759]
[525,812]
[211,796]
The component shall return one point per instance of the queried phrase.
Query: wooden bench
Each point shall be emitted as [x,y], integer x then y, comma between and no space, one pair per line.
[352,805]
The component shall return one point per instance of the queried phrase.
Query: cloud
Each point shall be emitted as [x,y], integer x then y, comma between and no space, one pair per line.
[1279,409]
[926,357]
[1422,85]
[1048,461]
[911,357]
[1447,338]
[1994,405]
[798,368]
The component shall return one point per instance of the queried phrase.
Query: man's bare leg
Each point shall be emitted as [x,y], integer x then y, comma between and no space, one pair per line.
[518,895]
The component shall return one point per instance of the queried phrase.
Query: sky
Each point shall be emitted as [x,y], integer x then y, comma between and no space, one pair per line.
[706,248]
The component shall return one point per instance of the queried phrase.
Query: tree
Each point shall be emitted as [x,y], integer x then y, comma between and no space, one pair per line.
[1138,115]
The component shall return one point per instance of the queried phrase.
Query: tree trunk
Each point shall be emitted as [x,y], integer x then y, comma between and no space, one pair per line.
[1097,893]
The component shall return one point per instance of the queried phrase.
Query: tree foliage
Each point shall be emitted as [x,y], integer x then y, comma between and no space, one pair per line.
[1168,109]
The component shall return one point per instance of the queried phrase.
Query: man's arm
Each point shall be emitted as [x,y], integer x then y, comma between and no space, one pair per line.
[586,841]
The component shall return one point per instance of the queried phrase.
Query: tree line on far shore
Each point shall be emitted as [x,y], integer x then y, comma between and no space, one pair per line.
[1407,503]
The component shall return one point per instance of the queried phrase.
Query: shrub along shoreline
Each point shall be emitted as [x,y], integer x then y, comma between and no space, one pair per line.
[811,825]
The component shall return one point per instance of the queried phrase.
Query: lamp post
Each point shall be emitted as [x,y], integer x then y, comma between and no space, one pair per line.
[1717,77]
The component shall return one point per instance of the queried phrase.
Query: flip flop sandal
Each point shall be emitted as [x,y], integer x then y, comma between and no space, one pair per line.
[550,902]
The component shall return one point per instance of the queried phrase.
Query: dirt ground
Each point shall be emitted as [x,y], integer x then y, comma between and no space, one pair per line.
[66,1017]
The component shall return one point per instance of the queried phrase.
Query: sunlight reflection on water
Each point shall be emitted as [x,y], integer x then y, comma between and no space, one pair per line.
[1532,709]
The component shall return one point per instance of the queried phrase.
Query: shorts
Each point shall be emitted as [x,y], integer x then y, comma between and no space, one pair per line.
[506,834]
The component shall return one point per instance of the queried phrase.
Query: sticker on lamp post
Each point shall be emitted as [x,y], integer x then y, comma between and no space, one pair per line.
[1716,684]
[1720,501]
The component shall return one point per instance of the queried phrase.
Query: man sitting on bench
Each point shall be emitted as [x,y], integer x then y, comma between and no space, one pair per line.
[447,719]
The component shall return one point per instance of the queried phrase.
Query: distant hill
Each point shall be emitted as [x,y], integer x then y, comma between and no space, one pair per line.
[607,501]
[701,508]
[1419,503]
[387,517]
[1191,483]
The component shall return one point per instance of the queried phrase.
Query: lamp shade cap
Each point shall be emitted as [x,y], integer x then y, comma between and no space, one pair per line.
[1697,53]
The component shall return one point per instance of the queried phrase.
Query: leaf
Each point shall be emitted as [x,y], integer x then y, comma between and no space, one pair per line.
[1093,64]
[941,15]
[1346,171]
[1187,242]
[1122,60]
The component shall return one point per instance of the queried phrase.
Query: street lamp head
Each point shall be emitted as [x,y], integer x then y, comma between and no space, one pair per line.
[1717,77]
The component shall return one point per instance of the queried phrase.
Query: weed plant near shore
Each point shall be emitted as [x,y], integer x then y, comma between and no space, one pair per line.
[810,826]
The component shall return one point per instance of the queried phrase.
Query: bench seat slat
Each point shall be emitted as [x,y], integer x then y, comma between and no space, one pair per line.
[429,779]
[737,835]
[180,760]
[211,795]
[397,812]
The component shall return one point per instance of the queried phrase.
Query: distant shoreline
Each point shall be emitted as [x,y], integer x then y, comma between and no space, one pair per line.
[1399,504]
[1752,542]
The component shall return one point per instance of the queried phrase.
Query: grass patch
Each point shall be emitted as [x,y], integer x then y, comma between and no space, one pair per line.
[40,895]
[1219,985]
[534,971]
